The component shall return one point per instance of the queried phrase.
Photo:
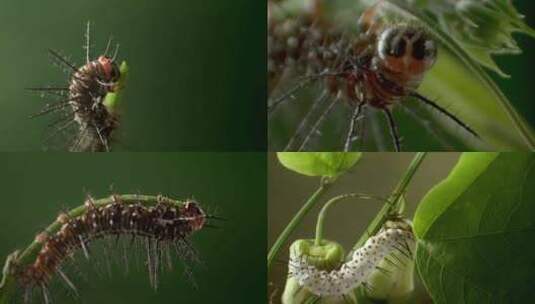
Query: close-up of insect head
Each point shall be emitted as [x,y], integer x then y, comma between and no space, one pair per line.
[396,228]
[132,76]
[399,75]
[155,234]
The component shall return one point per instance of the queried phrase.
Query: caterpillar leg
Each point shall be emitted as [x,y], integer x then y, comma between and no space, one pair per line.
[317,124]
[393,129]
[353,127]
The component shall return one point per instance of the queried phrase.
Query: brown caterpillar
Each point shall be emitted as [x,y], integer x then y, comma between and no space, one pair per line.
[83,106]
[165,225]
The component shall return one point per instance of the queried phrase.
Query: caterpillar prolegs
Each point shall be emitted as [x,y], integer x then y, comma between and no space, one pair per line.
[340,282]
[160,224]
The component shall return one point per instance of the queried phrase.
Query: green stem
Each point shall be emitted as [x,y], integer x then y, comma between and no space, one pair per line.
[323,213]
[283,237]
[8,284]
[393,200]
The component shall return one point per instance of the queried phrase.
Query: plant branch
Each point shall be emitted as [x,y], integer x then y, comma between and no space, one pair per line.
[323,213]
[285,234]
[392,201]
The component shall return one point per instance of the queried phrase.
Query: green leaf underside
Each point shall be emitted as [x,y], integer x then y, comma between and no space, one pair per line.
[329,164]
[475,231]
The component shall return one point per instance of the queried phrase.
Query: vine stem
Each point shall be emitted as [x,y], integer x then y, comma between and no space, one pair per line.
[323,213]
[298,217]
[392,201]
[8,286]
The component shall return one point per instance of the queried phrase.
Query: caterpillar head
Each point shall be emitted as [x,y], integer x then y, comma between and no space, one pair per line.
[110,71]
[407,50]
[194,211]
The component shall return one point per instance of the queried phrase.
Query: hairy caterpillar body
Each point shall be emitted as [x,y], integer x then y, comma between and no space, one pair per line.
[84,107]
[165,225]
[354,272]
[87,90]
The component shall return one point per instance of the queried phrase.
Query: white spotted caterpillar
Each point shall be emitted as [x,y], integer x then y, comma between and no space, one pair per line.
[354,272]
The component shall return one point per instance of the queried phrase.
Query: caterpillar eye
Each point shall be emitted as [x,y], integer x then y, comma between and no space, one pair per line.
[394,42]
[424,49]
[407,50]
[397,48]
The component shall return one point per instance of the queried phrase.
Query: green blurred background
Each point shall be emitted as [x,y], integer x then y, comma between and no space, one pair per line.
[36,186]
[375,173]
[197,69]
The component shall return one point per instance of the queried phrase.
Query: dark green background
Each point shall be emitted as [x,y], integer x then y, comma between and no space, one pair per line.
[519,89]
[197,69]
[36,186]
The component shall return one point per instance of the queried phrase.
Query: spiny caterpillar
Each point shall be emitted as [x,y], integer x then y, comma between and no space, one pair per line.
[354,272]
[373,68]
[89,102]
[160,224]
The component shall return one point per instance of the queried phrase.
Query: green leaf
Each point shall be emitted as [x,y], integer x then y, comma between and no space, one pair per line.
[455,88]
[329,164]
[484,28]
[475,231]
